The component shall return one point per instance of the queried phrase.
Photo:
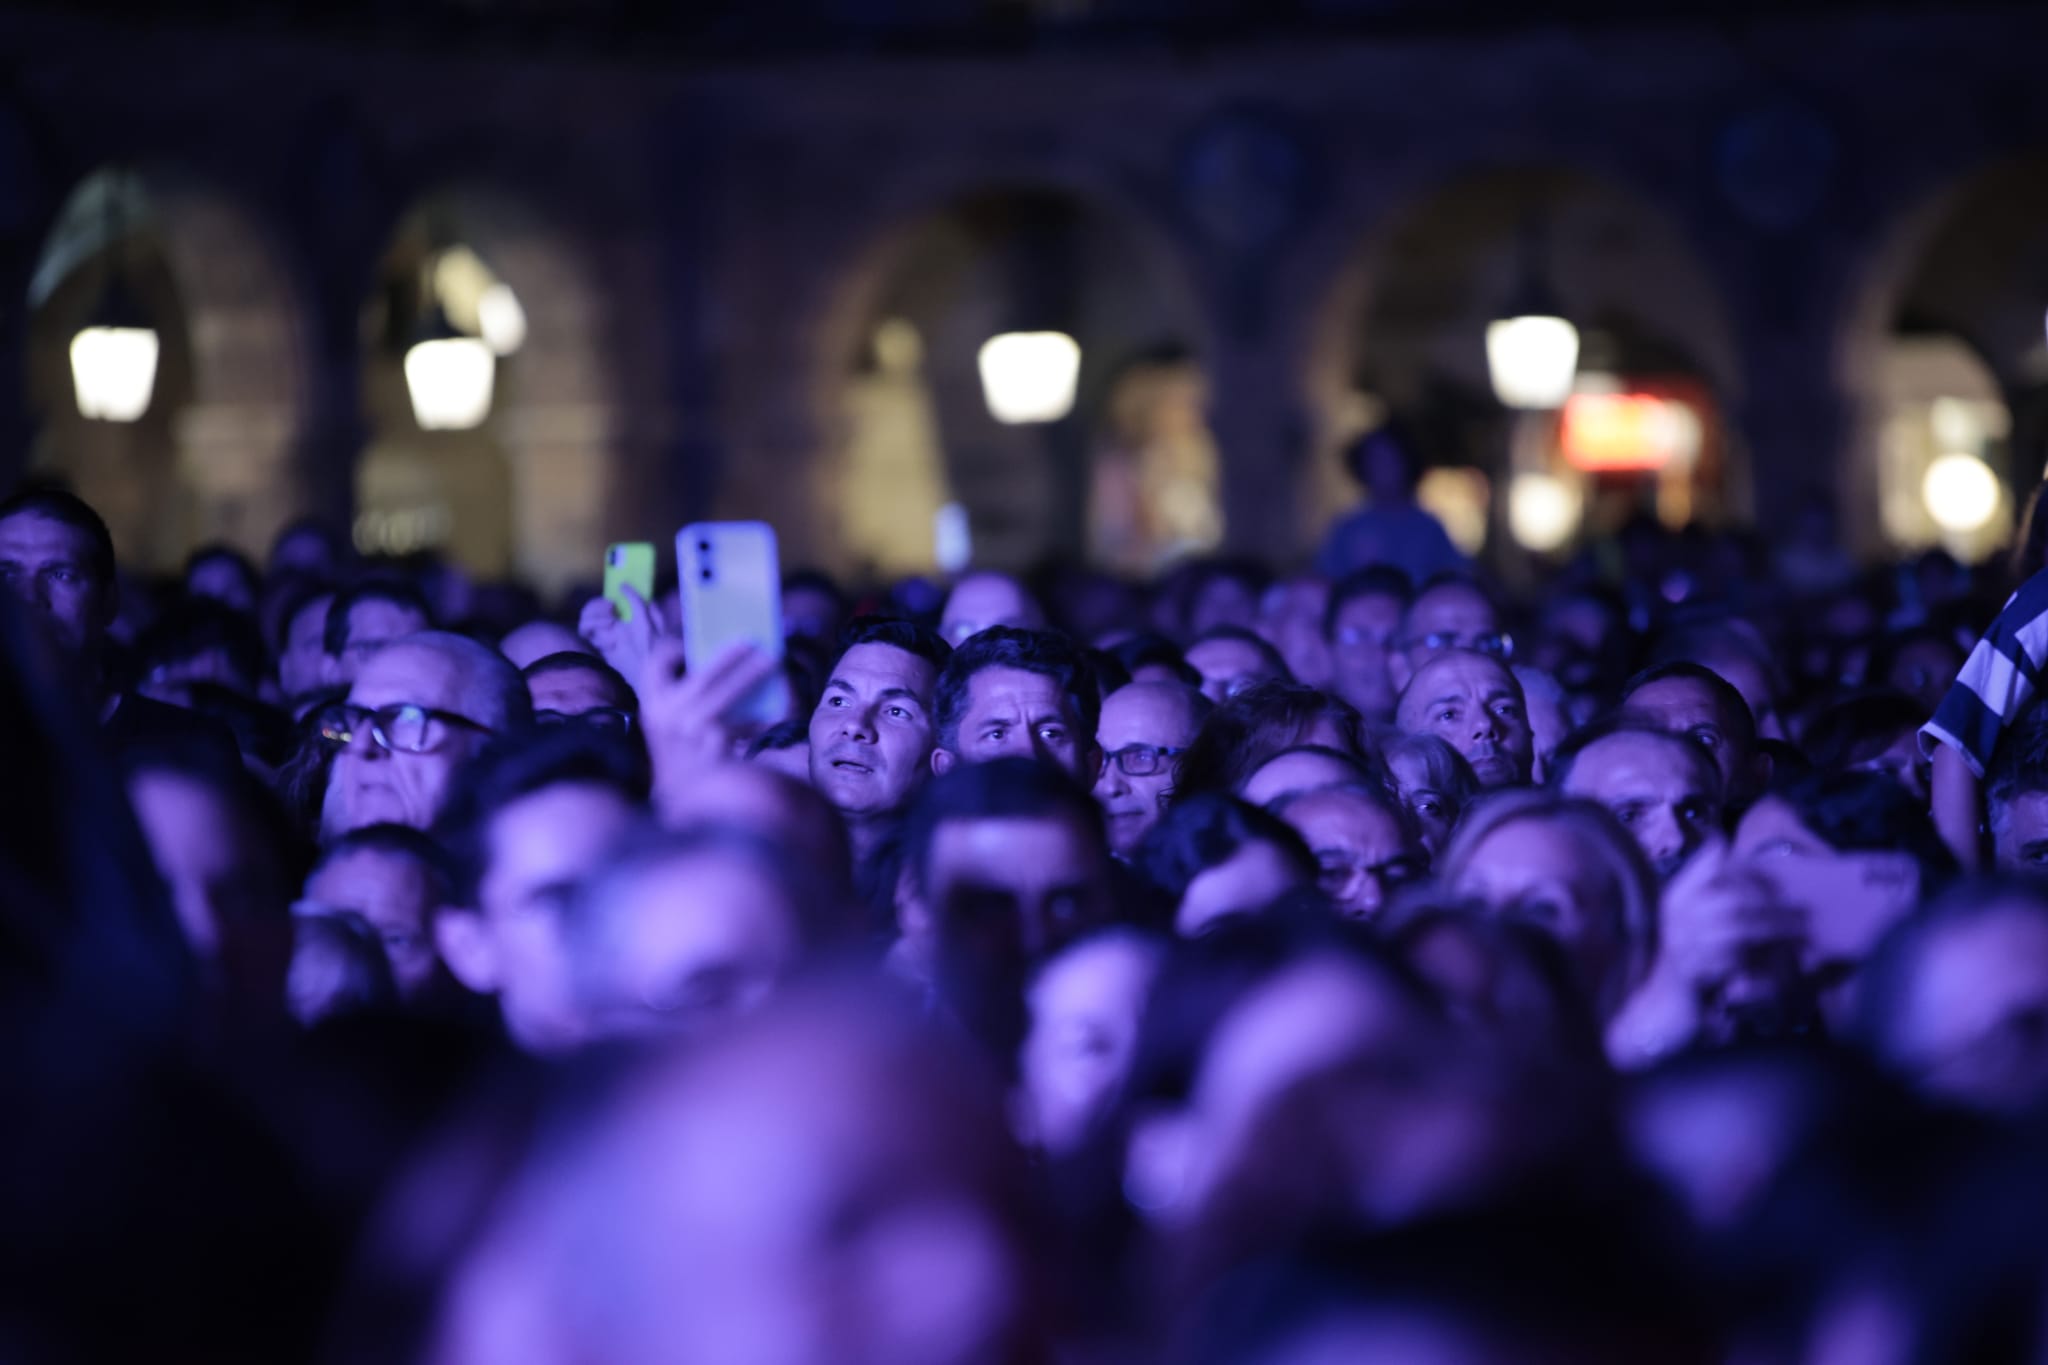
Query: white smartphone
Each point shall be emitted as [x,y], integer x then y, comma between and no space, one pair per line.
[732,592]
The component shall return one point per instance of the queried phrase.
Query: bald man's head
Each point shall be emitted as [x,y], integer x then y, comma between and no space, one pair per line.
[1141,734]
[1473,702]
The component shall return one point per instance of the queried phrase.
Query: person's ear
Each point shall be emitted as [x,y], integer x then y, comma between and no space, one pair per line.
[464,943]
[943,761]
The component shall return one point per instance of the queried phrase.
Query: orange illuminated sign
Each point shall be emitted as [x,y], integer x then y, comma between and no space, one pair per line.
[1626,432]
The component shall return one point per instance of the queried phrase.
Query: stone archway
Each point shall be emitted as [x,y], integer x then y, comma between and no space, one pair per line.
[1964,271]
[532,490]
[1402,325]
[215,456]
[937,241]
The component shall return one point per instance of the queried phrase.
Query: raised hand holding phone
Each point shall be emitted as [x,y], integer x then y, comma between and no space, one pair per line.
[732,595]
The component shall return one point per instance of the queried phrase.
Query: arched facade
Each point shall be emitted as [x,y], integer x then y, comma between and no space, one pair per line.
[715,240]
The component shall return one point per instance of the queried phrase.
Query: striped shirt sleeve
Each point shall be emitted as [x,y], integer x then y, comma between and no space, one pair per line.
[1997,681]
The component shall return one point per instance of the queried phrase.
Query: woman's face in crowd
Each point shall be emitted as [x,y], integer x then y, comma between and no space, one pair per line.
[1432,809]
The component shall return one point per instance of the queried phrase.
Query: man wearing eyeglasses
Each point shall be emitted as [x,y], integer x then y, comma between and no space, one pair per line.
[419,708]
[1144,728]
[1448,614]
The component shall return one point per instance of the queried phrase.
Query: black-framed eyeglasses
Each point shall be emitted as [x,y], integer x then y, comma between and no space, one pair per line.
[401,728]
[1141,760]
[609,719]
[1494,643]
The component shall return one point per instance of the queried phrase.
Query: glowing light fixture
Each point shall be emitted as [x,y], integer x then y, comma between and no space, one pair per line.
[1030,376]
[1531,360]
[113,370]
[449,379]
[500,318]
[1543,511]
[1532,352]
[114,356]
[450,371]
[1961,493]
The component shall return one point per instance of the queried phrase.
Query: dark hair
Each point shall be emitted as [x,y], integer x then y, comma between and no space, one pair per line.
[513,767]
[1147,650]
[261,731]
[815,580]
[786,735]
[1251,727]
[1001,789]
[1110,673]
[1374,580]
[218,769]
[908,636]
[228,554]
[329,538]
[1204,831]
[67,509]
[1267,654]
[300,595]
[1858,729]
[1044,652]
[1726,699]
[395,841]
[1394,434]
[200,624]
[1204,977]
[1887,976]
[335,638]
[574,661]
[1859,812]
[1558,767]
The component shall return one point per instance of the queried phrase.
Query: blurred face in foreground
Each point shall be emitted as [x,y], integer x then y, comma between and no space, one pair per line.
[395,895]
[688,943]
[1042,879]
[1538,871]
[1250,879]
[1473,703]
[513,943]
[1086,1006]
[809,1191]
[1970,1026]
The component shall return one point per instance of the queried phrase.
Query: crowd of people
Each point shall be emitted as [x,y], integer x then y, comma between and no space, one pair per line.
[1642,963]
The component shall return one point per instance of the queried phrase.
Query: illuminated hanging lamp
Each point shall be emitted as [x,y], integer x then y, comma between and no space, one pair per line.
[449,374]
[1029,376]
[1532,351]
[114,356]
